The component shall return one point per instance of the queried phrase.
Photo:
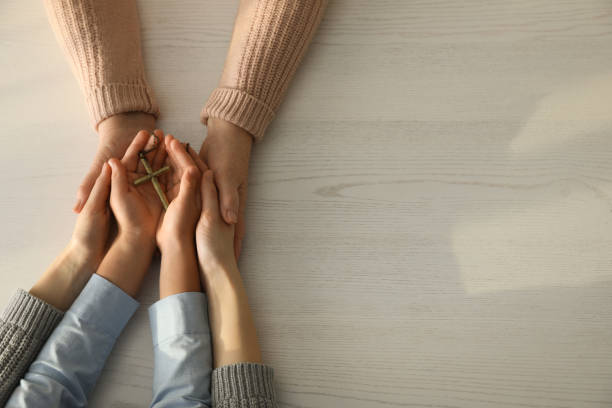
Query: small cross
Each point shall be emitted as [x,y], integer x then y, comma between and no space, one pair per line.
[152,176]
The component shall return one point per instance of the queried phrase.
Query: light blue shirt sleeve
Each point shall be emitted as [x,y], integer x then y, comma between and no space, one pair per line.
[69,364]
[182,351]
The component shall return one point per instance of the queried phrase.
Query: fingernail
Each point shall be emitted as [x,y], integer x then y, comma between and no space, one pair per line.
[232,217]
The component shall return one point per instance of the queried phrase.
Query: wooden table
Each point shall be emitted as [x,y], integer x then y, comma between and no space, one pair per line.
[429,217]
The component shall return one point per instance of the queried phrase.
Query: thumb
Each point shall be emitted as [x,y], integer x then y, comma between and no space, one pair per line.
[229,200]
[85,188]
[100,191]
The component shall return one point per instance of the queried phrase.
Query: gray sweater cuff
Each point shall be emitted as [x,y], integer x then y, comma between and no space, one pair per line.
[243,384]
[25,325]
[35,317]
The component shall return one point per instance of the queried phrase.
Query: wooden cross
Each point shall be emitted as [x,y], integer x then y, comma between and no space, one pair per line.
[152,175]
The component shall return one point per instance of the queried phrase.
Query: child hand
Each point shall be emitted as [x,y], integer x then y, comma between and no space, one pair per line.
[214,237]
[136,208]
[177,224]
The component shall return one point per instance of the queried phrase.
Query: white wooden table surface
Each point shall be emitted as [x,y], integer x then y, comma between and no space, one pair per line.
[430,216]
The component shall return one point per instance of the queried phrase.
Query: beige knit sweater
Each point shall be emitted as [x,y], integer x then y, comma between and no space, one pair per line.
[102,42]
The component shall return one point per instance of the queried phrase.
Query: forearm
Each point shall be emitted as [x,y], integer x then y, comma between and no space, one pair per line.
[233,330]
[102,42]
[179,269]
[127,262]
[64,279]
[270,39]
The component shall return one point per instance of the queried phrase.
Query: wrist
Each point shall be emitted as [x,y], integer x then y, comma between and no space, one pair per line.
[77,256]
[217,276]
[127,120]
[217,126]
[136,240]
[64,279]
[126,263]
[179,270]
[175,245]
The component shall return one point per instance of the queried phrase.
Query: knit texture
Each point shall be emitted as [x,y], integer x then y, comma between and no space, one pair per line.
[243,385]
[102,42]
[25,325]
[262,61]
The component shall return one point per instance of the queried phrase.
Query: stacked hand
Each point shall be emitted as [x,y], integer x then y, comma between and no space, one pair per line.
[226,151]
[142,223]
[192,235]
[193,216]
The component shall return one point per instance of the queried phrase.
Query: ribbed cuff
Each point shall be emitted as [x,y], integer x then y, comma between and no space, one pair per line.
[243,381]
[111,99]
[239,108]
[32,315]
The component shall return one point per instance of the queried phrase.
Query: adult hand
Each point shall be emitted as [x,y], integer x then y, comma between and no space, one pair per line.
[65,278]
[137,208]
[115,135]
[92,225]
[227,150]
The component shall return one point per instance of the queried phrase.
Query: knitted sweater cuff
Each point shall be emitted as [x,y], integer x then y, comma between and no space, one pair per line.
[32,315]
[240,108]
[114,98]
[244,382]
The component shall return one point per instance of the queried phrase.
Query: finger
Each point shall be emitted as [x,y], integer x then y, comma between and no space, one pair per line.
[189,183]
[130,158]
[151,143]
[229,199]
[170,157]
[85,188]
[204,152]
[119,181]
[156,160]
[100,191]
[210,198]
[179,155]
[166,177]
[160,154]
[197,159]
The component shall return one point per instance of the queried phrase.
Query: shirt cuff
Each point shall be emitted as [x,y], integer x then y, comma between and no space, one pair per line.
[104,306]
[176,315]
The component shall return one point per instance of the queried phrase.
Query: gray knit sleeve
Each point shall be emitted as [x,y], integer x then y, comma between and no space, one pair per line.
[243,385]
[25,325]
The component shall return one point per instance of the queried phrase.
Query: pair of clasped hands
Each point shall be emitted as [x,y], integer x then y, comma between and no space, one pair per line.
[191,234]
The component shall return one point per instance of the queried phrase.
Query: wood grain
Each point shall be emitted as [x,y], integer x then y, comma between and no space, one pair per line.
[429,217]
